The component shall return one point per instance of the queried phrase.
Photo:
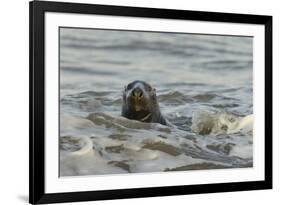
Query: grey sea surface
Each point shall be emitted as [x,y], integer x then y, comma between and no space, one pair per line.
[204,88]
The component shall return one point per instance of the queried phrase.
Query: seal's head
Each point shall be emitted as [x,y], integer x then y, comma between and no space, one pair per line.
[140,103]
[139,96]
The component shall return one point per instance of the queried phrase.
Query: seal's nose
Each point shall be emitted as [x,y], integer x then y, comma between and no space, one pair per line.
[137,93]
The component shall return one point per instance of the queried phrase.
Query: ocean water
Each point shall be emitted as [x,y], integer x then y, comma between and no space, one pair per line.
[204,88]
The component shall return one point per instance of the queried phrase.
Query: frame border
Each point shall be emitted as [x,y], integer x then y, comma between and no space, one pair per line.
[37,11]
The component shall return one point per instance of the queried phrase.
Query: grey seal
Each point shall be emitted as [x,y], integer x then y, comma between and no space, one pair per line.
[140,103]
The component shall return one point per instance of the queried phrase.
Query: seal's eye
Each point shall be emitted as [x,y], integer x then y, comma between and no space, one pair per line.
[149,88]
[129,86]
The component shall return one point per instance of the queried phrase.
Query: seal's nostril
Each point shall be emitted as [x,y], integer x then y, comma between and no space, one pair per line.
[137,92]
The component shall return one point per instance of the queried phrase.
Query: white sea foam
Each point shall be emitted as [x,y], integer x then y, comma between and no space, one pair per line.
[206,122]
[105,144]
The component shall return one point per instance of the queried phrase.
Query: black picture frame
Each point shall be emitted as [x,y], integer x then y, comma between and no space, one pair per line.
[37,9]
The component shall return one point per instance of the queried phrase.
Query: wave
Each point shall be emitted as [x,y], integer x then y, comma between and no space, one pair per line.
[204,122]
[113,144]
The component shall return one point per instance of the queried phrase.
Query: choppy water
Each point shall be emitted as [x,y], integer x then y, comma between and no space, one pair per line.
[204,88]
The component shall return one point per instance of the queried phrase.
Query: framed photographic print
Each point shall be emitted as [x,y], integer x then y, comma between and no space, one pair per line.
[141,102]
